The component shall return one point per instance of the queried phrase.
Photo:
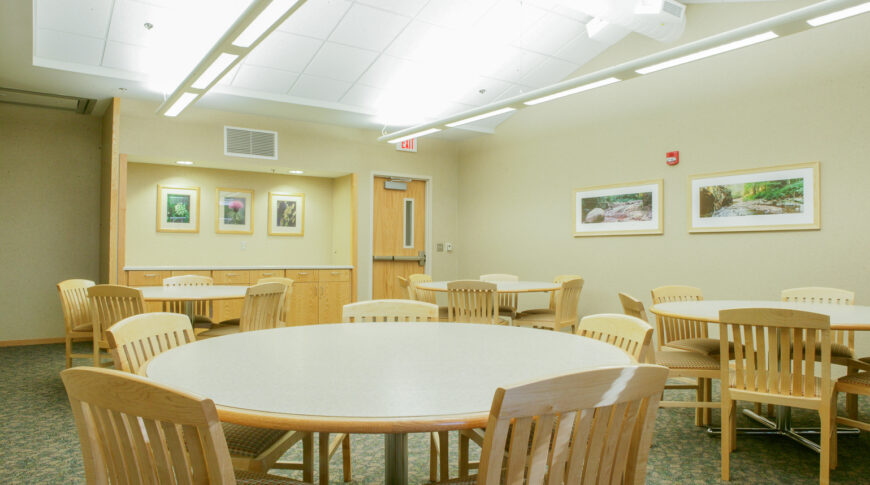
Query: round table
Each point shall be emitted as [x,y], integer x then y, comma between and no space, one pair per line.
[843,317]
[503,286]
[189,294]
[390,378]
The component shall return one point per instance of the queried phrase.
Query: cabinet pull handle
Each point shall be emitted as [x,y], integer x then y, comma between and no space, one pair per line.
[150,275]
[268,274]
[334,273]
[231,274]
[303,273]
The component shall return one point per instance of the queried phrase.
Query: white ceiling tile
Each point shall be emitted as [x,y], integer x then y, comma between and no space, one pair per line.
[513,90]
[368,28]
[549,72]
[550,34]
[408,8]
[572,13]
[317,18]
[384,70]
[227,79]
[264,79]
[507,20]
[362,96]
[61,46]
[126,56]
[455,13]
[82,17]
[129,19]
[340,62]
[511,64]
[421,41]
[319,88]
[581,50]
[491,88]
[289,52]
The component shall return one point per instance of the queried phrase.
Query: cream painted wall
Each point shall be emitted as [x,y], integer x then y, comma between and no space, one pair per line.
[198,135]
[50,185]
[342,234]
[516,189]
[147,247]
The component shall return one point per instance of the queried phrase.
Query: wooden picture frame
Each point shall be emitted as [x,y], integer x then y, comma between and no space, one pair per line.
[619,210]
[177,209]
[286,214]
[779,198]
[234,211]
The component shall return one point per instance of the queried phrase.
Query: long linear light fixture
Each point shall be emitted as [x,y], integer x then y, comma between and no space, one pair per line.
[252,26]
[780,26]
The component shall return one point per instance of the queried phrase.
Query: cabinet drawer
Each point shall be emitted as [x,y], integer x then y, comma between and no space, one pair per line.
[146,278]
[257,274]
[235,277]
[334,274]
[301,275]
[196,272]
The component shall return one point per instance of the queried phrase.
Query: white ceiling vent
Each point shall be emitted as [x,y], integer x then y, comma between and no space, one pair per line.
[244,142]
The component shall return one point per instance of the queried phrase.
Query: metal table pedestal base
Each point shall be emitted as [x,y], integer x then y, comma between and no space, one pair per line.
[396,459]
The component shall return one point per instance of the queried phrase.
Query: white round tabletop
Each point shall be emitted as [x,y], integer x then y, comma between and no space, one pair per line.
[503,286]
[372,377]
[169,293]
[843,317]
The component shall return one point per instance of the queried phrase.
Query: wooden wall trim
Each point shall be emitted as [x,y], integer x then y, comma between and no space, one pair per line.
[33,341]
[109,192]
[354,206]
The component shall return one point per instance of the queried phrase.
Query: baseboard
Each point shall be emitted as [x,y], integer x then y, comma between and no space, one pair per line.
[33,341]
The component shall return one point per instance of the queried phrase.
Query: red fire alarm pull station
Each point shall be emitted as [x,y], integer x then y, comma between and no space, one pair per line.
[672,158]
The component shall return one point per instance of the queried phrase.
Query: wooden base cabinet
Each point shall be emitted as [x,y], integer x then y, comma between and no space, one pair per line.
[319,296]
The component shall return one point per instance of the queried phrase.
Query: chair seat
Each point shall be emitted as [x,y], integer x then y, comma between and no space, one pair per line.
[231,321]
[244,477]
[250,442]
[858,379]
[706,346]
[536,311]
[686,360]
[219,331]
[84,327]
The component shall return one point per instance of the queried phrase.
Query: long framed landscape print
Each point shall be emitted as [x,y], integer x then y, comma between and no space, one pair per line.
[783,198]
[286,214]
[617,210]
[235,208]
[177,209]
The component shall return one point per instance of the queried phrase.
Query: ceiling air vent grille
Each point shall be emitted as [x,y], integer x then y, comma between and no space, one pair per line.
[673,8]
[243,142]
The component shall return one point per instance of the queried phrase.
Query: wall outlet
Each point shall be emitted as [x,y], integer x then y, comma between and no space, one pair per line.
[439,247]
[448,246]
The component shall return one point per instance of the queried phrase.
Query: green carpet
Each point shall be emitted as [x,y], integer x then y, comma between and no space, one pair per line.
[40,445]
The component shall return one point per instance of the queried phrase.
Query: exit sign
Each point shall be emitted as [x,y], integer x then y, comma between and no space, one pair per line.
[407,145]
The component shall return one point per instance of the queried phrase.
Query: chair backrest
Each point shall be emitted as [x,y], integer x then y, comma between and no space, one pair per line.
[390,311]
[135,340]
[288,294]
[632,306]
[405,287]
[505,300]
[669,329]
[421,295]
[133,430]
[555,295]
[200,307]
[472,301]
[774,351]
[74,302]
[630,334]
[262,307]
[591,427]
[832,296]
[111,304]
[567,299]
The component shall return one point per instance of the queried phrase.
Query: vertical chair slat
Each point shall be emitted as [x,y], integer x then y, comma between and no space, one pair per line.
[540,450]
[519,449]
[560,452]
[611,442]
[125,443]
[162,460]
[177,456]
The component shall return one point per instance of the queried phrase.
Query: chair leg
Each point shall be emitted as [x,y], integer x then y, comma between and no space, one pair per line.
[323,439]
[851,400]
[727,418]
[68,341]
[345,457]
[308,457]
[463,455]
[97,359]
[699,396]
[433,458]
[444,459]
[708,397]
[825,444]
[833,415]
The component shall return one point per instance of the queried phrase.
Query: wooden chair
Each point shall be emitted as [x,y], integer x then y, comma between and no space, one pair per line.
[288,295]
[681,364]
[563,429]
[554,295]
[424,295]
[261,310]
[507,302]
[202,309]
[630,334]
[78,318]
[565,314]
[771,366]
[404,287]
[678,333]
[389,311]
[133,430]
[135,340]
[111,304]
[472,301]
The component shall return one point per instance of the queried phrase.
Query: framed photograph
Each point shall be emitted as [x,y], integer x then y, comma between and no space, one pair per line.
[286,214]
[784,198]
[235,210]
[177,209]
[618,210]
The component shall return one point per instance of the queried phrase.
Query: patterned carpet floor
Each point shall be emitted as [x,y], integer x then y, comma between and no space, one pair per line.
[40,445]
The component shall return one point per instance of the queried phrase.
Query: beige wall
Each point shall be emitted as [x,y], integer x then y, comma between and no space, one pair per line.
[342,236]
[50,186]
[147,247]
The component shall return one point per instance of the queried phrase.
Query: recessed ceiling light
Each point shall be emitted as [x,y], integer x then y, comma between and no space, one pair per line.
[297,172]
[184,162]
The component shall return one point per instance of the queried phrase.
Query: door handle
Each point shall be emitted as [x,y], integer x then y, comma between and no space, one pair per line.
[420,258]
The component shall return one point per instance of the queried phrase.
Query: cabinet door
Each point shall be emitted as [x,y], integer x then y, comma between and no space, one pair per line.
[303,306]
[227,309]
[232,277]
[146,278]
[333,296]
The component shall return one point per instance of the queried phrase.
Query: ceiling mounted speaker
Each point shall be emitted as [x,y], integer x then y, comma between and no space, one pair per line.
[244,142]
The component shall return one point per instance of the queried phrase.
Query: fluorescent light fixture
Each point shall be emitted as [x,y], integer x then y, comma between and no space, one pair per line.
[297,172]
[481,117]
[595,26]
[568,92]
[414,135]
[833,17]
[263,22]
[755,39]
[648,6]
[214,70]
[184,162]
[183,100]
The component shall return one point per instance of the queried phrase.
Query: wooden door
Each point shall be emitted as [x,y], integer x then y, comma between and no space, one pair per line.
[399,234]
[334,295]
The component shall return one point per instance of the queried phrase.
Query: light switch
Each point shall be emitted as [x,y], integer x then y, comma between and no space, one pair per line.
[439,247]
[448,246]
[244,245]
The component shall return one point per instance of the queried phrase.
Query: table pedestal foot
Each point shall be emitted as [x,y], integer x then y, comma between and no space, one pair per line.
[396,459]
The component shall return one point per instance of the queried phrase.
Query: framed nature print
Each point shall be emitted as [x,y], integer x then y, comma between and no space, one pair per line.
[621,209]
[177,209]
[783,198]
[235,208]
[286,214]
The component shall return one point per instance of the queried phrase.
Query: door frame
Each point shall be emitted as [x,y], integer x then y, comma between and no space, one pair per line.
[427,179]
